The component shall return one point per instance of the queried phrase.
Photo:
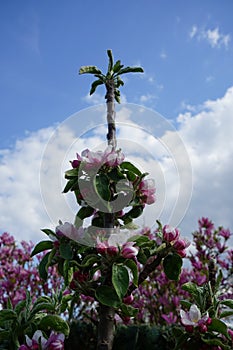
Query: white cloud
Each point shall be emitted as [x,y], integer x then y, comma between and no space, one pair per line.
[37,163]
[193,32]
[163,55]
[208,137]
[147,98]
[214,37]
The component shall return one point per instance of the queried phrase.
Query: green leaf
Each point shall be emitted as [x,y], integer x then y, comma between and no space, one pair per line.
[70,174]
[41,246]
[130,226]
[218,326]
[66,251]
[190,287]
[41,307]
[216,342]
[141,257]
[226,314]
[55,323]
[7,315]
[107,296]
[95,84]
[117,95]
[89,260]
[70,184]
[130,70]
[4,335]
[132,214]
[48,232]
[172,264]
[133,268]
[120,279]
[20,306]
[186,303]
[110,57]
[131,167]
[228,303]
[129,310]
[43,271]
[119,82]
[67,272]
[89,70]
[85,212]
[101,184]
[117,66]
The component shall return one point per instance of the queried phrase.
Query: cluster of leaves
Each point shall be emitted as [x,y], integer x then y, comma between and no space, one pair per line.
[113,75]
[106,273]
[27,317]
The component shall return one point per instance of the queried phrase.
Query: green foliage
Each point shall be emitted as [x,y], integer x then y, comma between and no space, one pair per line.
[120,279]
[27,317]
[107,295]
[172,264]
[113,75]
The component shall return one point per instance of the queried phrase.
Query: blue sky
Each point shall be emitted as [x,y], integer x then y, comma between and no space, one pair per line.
[186,50]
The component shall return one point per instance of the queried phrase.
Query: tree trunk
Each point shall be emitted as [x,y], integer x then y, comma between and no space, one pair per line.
[106,328]
[111,114]
[107,313]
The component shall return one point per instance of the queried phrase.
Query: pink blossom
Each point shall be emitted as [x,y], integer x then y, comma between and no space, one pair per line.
[112,157]
[147,189]
[193,318]
[230,332]
[76,162]
[170,318]
[225,233]
[170,234]
[129,251]
[129,299]
[181,244]
[33,343]
[105,248]
[69,230]
[55,342]
[205,223]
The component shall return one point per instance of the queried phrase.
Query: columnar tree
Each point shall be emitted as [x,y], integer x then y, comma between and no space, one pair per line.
[111,192]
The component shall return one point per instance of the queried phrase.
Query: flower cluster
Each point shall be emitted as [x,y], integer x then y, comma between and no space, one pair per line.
[208,242]
[38,341]
[19,272]
[193,319]
[172,235]
[95,160]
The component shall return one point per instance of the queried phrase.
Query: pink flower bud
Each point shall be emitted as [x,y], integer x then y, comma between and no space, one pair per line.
[181,244]
[128,300]
[202,328]
[112,250]
[189,329]
[170,234]
[129,251]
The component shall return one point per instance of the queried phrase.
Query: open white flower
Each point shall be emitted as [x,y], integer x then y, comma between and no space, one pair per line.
[192,317]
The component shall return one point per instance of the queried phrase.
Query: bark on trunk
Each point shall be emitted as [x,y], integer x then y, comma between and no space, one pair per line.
[106,313]
[111,114]
[106,328]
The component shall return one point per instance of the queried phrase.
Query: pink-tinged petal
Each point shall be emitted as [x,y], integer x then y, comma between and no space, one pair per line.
[129,251]
[185,319]
[170,234]
[194,313]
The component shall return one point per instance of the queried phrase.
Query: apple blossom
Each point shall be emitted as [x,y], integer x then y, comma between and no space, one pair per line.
[69,230]
[129,250]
